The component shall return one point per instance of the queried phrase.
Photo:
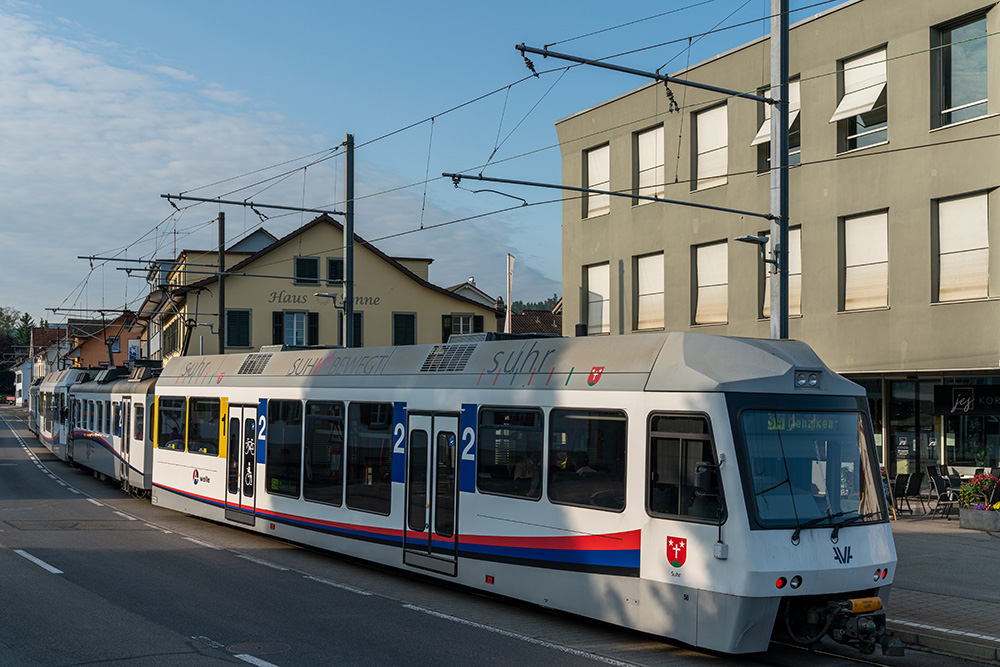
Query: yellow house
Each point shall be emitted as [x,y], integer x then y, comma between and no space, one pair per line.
[291,292]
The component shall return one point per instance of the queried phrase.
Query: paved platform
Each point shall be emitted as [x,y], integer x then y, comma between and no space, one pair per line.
[946,592]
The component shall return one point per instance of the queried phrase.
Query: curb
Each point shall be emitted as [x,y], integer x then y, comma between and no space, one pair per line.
[942,644]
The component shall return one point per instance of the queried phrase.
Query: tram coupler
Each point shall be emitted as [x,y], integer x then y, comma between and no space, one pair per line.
[862,621]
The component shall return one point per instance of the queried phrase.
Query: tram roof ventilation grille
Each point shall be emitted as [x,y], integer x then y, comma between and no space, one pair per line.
[447,359]
[254,364]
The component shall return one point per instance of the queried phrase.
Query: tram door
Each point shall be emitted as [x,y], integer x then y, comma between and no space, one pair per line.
[431,533]
[241,463]
[126,438]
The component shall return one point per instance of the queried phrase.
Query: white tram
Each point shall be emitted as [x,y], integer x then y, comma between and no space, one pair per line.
[708,489]
[51,412]
[108,425]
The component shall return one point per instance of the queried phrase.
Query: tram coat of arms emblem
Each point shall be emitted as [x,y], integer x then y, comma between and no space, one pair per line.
[677,551]
[595,375]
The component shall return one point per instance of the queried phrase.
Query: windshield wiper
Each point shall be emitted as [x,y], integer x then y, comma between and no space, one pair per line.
[850,521]
[813,522]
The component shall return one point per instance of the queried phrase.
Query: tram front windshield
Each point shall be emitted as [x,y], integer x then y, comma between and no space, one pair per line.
[809,467]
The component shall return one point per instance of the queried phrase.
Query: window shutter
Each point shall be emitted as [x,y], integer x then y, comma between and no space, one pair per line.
[477,324]
[277,328]
[358,330]
[445,328]
[312,332]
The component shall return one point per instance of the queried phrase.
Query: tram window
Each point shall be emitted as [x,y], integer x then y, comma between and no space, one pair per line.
[509,454]
[677,443]
[233,452]
[324,454]
[369,457]
[284,448]
[117,418]
[587,458]
[107,416]
[173,423]
[203,426]
[139,423]
[91,425]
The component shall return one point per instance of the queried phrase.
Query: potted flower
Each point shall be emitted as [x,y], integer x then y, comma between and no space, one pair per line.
[978,507]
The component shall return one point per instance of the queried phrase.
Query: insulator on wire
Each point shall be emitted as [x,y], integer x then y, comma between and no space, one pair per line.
[530,65]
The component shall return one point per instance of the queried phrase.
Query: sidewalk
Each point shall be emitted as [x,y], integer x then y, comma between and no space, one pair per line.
[946,592]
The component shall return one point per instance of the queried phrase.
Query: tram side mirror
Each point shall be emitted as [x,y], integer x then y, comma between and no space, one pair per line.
[706,479]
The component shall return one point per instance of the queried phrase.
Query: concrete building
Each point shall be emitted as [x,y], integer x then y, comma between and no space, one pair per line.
[271,298]
[894,213]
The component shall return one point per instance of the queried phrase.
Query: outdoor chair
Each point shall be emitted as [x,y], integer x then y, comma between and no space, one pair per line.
[994,496]
[954,482]
[945,497]
[913,490]
[979,471]
[932,471]
[899,491]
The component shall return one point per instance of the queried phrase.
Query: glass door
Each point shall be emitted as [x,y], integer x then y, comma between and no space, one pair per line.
[431,535]
[241,459]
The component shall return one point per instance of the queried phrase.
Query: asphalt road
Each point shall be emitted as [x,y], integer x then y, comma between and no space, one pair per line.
[91,576]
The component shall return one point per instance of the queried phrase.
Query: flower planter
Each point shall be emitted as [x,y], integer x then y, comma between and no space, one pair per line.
[979,520]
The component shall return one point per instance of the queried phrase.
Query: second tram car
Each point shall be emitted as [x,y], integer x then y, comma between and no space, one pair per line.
[707,489]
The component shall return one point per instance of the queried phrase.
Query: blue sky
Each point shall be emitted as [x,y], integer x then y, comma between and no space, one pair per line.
[109,103]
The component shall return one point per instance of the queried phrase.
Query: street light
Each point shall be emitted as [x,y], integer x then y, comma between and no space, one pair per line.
[333,295]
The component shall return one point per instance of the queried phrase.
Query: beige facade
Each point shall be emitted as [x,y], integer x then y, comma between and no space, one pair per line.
[894,204]
[271,298]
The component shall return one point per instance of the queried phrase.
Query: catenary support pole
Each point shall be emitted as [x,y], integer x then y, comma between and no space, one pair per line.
[222,282]
[779,169]
[349,241]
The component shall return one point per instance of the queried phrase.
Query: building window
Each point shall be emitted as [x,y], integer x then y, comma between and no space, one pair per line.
[794,276]
[404,328]
[334,270]
[711,267]
[460,323]
[861,115]
[648,289]
[963,248]
[597,176]
[237,328]
[597,287]
[648,152]
[959,89]
[866,262]
[712,156]
[295,328]
[307,270]
[763,138]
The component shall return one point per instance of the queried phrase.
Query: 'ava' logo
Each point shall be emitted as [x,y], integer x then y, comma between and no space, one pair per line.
[595,375]
[677,550]
[195,476]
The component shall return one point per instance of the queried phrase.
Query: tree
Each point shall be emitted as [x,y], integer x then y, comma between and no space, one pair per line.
[22,335]
[8,319]
[519,307]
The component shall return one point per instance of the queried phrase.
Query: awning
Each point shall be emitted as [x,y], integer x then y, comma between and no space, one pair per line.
[858,102]
[764,133]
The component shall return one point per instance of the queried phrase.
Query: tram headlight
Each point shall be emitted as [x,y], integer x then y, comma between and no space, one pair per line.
[808,379]
[878,575]
[795,582]
[800,379]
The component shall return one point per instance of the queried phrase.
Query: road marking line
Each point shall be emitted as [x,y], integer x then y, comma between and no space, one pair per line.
[203,544]
[209,642]
[98,503]
[38,561]
[126,516]
[72,490]
[344,587]
[524,638]
[254,661]
[944,630]
[273,566]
